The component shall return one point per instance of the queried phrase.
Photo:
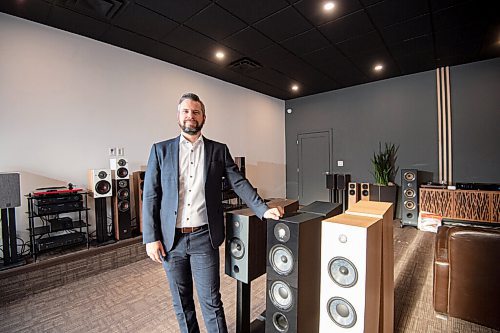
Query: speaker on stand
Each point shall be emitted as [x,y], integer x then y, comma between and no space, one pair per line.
[10,197]
[100,188]
[351,254]
[341,181]
[245,253]
[353,194]
[293,274]
[330,185]
[122,218]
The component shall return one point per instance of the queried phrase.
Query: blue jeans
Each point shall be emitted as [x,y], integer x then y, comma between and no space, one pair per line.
[193,257]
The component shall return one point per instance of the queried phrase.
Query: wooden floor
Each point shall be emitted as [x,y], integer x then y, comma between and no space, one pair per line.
[135,298]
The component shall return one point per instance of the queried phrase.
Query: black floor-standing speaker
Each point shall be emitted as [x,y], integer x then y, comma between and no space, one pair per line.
[411,179]
[293,273]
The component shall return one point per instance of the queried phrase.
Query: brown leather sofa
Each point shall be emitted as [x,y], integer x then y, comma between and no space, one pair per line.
[467,274]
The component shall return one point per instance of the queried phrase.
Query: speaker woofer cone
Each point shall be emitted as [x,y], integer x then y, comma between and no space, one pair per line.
[281,295]
[237,248]
[410,205]
[410,193]
[123,206]
[123,194]
[409,176]
[102,187]
[280,322]
[343,272]
[341,312]
[281,259]
[365,193]
[122,172]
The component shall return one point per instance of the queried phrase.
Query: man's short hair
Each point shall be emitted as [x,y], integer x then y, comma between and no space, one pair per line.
[192,97]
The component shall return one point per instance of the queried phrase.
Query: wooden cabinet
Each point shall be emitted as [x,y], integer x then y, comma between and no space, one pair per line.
[468,205]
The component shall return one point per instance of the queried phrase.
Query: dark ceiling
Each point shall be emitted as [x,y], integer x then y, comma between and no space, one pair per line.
[270,45]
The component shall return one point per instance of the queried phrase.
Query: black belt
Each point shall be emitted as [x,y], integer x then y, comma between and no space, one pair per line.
[188,230]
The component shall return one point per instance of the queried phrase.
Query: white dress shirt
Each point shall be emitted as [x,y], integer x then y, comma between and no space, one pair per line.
[192,210]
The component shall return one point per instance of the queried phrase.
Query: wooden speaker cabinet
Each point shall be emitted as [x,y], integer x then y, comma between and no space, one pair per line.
[467,205]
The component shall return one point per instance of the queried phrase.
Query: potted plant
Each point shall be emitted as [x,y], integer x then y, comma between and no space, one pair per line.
[384,171]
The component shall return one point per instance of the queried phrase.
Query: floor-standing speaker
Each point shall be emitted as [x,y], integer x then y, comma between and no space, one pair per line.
[384,211]
[410,181]
[121,198]
[351,254]
[293,273]
[100,188]
[138,185]
[353,194]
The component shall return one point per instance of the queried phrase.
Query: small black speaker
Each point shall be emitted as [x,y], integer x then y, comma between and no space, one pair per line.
[293,273]
[245,251]
[341,181]
[330,181]
[10,190]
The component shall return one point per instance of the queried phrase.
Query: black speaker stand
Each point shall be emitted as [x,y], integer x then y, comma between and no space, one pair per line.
[10,256]
[243,324]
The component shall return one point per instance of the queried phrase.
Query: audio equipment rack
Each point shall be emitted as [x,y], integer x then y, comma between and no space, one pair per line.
[57,219]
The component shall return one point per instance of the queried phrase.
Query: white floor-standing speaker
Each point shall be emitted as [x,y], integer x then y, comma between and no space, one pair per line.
[351,255]
[384,211]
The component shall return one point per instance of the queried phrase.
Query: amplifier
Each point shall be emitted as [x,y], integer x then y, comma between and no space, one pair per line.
[478,186]
[62,223]
[48,243]
[58,208]
[57,199]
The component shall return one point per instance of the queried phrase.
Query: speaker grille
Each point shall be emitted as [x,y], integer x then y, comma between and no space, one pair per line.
[281,295]
[341,312]
[281,259]
[343,272]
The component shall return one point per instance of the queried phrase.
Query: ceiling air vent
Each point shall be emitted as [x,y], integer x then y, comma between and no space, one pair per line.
[244,65]
[102,9]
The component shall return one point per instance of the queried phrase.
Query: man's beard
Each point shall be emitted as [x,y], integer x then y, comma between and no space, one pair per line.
[190,129]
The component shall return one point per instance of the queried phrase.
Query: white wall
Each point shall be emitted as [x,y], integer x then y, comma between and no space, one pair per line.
[65,99]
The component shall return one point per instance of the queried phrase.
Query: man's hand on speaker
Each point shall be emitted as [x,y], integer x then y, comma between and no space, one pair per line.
[274,213]
[154,250]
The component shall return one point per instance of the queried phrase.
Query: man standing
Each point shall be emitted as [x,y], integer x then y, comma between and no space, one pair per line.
[183,223]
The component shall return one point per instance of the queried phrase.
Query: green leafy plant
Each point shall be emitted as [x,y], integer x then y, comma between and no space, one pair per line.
[384,164]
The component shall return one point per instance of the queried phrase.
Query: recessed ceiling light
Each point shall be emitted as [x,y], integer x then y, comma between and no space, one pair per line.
[378,68]
[329,6]
[219,55]
[295,87]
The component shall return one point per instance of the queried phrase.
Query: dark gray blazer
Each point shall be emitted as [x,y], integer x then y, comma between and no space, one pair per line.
[161,191]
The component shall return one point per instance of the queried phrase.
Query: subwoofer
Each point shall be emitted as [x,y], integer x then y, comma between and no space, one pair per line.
[293,273]
[10,190]
[410,181]
[99,183]
[350,274]
[245,251]
[121,199]
[138,185]
[353,194]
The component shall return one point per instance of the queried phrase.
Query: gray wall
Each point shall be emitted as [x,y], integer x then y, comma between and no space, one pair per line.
[400,110]
[403,111]
[476,121]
